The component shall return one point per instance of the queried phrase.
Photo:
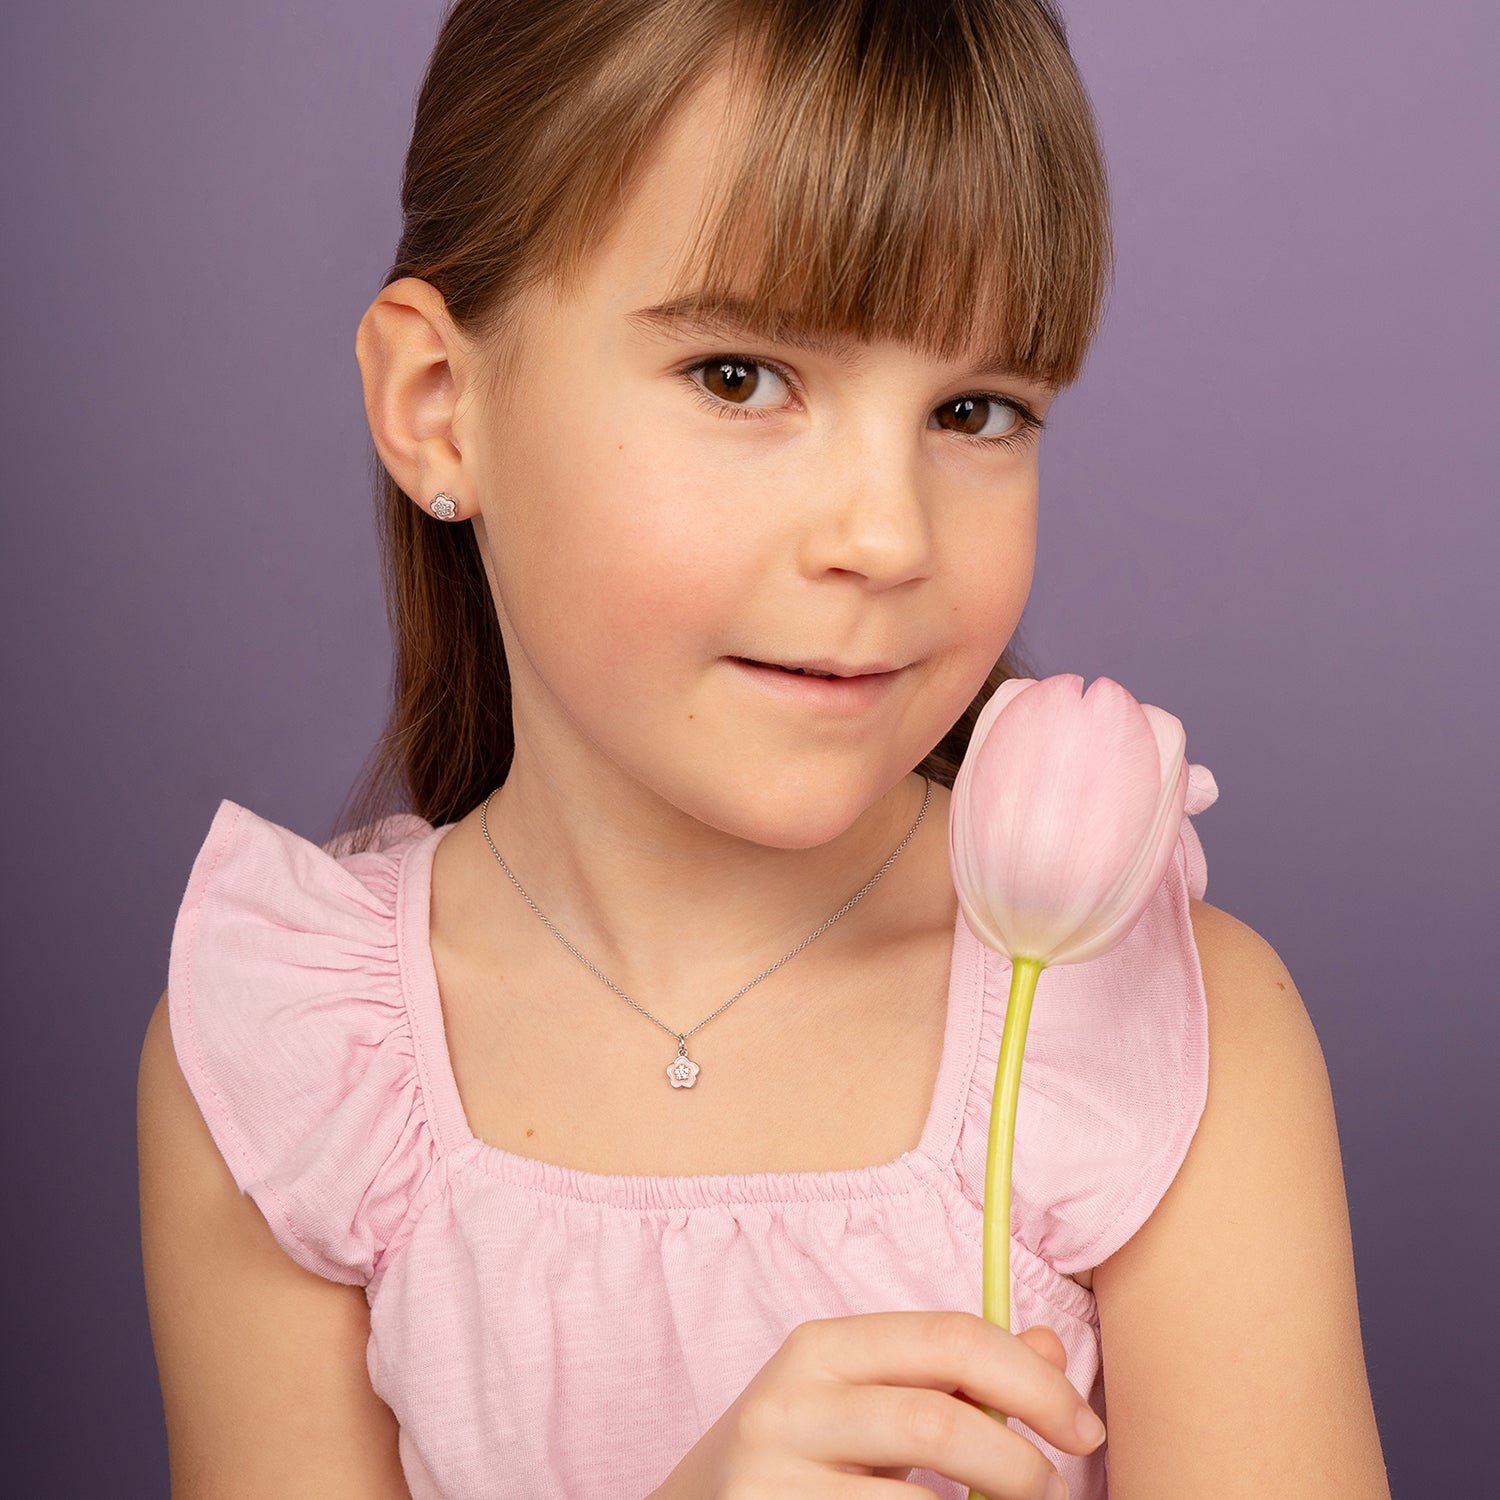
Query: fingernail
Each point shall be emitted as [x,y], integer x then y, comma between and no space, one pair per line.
[1090,1428]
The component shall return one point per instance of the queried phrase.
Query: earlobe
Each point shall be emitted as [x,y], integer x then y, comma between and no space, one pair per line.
[407,347]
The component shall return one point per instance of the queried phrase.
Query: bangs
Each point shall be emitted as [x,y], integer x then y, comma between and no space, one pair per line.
[927,173]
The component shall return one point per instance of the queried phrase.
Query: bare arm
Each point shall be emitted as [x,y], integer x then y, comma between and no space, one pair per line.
[1230,1325]
[262,1363]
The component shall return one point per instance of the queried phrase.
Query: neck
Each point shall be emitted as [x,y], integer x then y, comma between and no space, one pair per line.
[677,912]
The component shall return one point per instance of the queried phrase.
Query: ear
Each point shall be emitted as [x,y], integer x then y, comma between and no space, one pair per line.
[412,359]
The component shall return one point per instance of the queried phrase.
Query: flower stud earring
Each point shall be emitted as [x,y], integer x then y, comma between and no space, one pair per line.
[444,507]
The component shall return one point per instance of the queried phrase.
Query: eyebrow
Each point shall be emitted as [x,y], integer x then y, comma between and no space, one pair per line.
[731,316]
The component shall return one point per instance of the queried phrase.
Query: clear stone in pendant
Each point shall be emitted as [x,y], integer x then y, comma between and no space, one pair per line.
[682,1072]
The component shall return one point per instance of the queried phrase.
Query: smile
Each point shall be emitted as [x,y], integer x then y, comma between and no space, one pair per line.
[817,689]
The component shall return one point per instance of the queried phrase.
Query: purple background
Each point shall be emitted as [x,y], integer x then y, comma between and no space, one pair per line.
[1269,506]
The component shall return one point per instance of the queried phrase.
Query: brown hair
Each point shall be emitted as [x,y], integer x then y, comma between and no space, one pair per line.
[929,172]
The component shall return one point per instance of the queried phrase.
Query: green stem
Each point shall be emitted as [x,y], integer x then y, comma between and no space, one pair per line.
[997,1162]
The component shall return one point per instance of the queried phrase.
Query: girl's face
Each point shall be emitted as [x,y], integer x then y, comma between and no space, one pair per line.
[661,503]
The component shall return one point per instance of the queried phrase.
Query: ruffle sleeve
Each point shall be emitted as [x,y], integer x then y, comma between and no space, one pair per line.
[289,1023]
[1113,1079]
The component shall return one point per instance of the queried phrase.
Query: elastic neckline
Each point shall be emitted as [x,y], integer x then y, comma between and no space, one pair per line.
[452,1132]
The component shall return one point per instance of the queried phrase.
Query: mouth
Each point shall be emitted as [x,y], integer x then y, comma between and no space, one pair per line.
[821,669]
[826,687]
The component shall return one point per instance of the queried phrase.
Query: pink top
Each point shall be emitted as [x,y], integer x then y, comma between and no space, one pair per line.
[542,1332]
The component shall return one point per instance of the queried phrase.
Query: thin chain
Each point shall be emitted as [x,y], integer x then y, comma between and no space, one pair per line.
[682,1036]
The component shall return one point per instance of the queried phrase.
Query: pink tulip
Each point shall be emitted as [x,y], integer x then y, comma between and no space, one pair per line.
[1064,816]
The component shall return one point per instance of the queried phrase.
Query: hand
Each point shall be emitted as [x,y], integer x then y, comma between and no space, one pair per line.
[847,1407]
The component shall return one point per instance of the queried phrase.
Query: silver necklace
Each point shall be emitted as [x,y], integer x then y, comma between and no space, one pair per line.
[682,1072]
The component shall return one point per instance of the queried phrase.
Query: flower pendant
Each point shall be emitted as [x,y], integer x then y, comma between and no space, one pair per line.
[682,1071]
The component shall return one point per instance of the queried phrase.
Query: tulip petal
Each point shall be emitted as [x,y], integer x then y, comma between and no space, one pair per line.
[960,852]
[996,705]
[1123,908]
[1203,790]
[1120,908]
[1139,869]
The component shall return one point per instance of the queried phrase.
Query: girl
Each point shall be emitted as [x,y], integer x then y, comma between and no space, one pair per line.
[604,1112]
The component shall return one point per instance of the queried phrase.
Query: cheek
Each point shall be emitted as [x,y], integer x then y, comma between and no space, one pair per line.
[616,557]
[992,574]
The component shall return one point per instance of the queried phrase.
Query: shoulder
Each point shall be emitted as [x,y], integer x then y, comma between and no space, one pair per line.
[1248,987]
[1263,1048]
[1249,1251]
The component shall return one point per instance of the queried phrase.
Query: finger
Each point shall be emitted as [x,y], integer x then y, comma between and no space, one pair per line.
[952,1352]
[887,1425]
[1046,1343]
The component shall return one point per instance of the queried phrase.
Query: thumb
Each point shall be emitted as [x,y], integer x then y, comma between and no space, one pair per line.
[1046,1343]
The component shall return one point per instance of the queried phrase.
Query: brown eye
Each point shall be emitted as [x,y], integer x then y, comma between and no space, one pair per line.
[731,379]
[736,386]
[970,413]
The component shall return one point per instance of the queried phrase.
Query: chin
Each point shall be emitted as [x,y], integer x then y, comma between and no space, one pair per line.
[791,810]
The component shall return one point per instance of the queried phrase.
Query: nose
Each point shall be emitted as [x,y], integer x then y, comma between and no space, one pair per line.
[874,519]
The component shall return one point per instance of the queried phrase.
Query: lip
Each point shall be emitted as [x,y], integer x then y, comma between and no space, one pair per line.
[837,695]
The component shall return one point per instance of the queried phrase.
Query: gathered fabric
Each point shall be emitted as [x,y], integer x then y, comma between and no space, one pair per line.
[546,1333]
